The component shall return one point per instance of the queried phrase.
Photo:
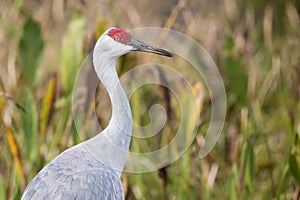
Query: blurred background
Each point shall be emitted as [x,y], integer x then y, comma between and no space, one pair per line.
[255,44]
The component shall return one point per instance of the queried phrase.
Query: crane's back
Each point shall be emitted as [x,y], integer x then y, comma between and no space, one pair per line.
[75,174]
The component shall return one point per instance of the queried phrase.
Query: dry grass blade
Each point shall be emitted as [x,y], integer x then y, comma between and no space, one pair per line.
[16,153]
[47,106]
[270,81]
[170,21]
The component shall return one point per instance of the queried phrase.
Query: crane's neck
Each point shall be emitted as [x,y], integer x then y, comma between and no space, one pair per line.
[121,120]
[112,144]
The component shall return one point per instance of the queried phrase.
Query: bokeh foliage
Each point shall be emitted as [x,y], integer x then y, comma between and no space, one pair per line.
[256,45]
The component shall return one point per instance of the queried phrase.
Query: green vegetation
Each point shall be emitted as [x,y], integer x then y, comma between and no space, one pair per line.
[255,44]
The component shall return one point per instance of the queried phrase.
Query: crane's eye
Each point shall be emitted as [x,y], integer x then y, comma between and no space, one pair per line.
[117,38]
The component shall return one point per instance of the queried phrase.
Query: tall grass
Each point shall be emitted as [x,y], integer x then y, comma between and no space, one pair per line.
[256,47]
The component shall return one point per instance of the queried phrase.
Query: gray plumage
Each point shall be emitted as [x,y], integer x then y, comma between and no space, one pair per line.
[75,174]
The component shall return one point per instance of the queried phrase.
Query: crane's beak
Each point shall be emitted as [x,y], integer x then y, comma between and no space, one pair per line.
[140,46]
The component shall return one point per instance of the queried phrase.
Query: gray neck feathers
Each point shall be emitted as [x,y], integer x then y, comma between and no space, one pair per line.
[111,145]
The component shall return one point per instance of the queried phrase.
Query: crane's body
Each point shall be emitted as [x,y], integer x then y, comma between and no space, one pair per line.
[92,169]
[75,174]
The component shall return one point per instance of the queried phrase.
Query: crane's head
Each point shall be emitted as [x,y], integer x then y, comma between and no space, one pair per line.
[117,42]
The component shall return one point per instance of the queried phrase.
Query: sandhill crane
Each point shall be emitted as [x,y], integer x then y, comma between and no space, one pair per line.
[92,169]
